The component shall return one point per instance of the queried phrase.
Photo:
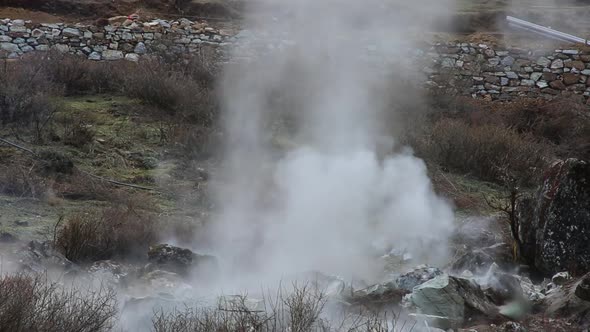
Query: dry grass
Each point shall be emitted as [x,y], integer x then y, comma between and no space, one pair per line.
[124,230]
[489,152]
[32,304]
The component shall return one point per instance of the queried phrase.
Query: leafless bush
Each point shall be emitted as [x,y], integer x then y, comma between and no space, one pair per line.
[123,230]
[173,92]
[33,304]
[25,98]
[489,152]
[76,74]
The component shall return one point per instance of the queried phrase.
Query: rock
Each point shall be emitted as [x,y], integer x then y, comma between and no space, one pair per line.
[178,260]
[377,296]
[94,56]
[9,47]
[542,61]
[536,76]
[6,237]
[479,261]
[508,61]
[5,39]
[557,84]
[583,288]
[557,64]
[570,78]
[38,257]
[140,48]
[456,299]
[511,327]
[132,57]
[71,32]
[555,224]
[561,278]
[112,55]
[501,287]
[416,277]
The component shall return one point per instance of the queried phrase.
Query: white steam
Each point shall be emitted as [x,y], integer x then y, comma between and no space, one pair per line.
[340,198]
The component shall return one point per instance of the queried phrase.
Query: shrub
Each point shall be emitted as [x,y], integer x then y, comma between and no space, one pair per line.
[25,97]
[173,92]
[124,230]
[76,74]
[32,304]
[490,152]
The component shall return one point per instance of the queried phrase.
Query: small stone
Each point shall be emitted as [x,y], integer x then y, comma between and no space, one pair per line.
[527,82]
[557,64]
[543,61]
[508,61]
[5,39]
[140,48]
[542,84]
[132,57]
[9,47]
[71,32]
[94,56]
[536,76]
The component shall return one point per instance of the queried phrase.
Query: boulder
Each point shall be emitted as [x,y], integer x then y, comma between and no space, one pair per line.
[178,260]
[479,261]
[416,277]
[457,299]
[554,224]
[38,257]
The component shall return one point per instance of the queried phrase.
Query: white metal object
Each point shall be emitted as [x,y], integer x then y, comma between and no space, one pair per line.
[545,31]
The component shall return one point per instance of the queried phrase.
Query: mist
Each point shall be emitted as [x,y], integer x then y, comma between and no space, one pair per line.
[337,196]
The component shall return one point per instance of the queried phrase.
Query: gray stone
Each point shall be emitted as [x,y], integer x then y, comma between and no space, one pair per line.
[542,84]
[112,55]
[416,277]
[18,41]
[448,63]
[71,32]
[140,48]
[18,29]
[27,48]
[454,298]
[42,48]
[5,39]
[536,76]
[9,47]
[543,61]
[511,75]
[132,57]
[570,52]
[94,56]
[179,260]
[557,64]
[508,61]
[527,83]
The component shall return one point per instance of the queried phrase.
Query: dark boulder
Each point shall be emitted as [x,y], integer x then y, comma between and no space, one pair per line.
[179,260]
[554,225]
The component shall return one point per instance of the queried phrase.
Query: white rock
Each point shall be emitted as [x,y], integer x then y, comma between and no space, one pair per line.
[140,48]
[542,84]
[71,32]
[556,64]
[536,76]
[94,56]
[132,57]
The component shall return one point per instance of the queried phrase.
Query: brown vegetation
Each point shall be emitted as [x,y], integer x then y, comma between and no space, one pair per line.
[31,303]
[124,230]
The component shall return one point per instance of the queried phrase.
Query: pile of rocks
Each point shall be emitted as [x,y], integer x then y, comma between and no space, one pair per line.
[112,42]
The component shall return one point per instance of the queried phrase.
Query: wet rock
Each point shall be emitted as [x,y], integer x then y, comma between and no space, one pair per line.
[479,261]
[416,277]
[456,299]
[378,296]
[583,288]
[38,257]
[555,224]
[179,260]
[561,278]
[501,287]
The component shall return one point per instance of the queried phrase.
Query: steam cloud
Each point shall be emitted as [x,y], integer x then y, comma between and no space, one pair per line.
[340,197]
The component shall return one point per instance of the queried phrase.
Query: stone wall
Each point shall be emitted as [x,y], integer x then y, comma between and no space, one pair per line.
[482,72]
[18,37]
[454,68]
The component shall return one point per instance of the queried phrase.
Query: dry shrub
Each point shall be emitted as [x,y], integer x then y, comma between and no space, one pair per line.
[490,152]
[25,97]
[174,92]
[19,181]
[123,230]
[76,74]
[32,304]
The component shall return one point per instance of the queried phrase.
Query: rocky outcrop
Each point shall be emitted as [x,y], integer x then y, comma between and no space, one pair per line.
[554,225]
[454,299]
[178,260]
